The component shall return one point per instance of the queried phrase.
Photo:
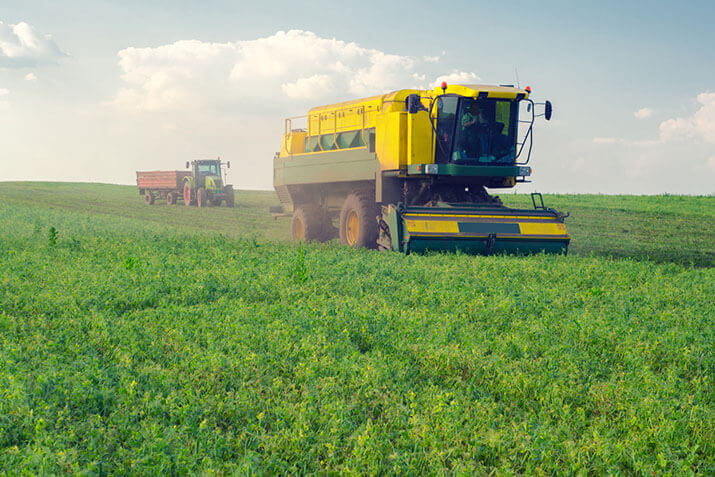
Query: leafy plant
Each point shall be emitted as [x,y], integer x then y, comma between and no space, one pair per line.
[52,236]
[299,271]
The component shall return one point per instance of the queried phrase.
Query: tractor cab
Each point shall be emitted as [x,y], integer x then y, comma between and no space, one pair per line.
[205,185]
[474,131]
[207,173]
[478,125]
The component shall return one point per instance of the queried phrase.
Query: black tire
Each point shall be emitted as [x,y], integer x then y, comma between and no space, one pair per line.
[201,199]
[308,223]
[359,211]
[171,198]
[148,198]
[228,190]
[215,202]
[188,199]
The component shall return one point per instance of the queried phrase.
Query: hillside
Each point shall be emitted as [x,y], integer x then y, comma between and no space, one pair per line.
[137,339]
[676,229]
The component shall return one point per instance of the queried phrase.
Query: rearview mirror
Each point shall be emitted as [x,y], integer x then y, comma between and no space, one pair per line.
[414,105]
[228,165]
[187,164]
[548,109]
[528,107]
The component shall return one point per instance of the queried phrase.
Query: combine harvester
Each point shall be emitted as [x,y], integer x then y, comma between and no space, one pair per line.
[407,171]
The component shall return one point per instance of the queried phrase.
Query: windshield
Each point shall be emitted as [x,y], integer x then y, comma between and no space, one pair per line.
[209,169]
[476,131]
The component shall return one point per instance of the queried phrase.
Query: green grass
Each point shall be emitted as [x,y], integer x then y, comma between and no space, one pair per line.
[156,339]
[673,229]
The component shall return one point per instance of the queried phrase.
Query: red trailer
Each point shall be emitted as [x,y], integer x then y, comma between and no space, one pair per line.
[168,185]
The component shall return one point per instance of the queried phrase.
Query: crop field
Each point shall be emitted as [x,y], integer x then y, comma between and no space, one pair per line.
[157,340]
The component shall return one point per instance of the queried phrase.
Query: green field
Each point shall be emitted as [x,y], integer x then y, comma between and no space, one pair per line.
[154,340]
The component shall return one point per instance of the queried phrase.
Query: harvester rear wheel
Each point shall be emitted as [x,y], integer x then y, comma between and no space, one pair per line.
[187,194]
[308,223]
[171,198]
[228,190]
[201,199]
[148,198]
[358,223]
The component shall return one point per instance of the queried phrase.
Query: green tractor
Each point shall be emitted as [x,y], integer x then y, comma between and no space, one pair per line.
[204,186]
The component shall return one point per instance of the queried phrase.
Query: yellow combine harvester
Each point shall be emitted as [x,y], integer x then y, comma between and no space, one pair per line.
[408,171]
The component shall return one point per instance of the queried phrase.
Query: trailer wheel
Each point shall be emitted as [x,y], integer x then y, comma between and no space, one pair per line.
[187,194]
[228,190]
[308,223]
[358,223]
[148,197]
[171,198]
[201,199]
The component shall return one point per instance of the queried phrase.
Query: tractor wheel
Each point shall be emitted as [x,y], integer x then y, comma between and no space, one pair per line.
[228,190]
[171,198]
[308,223]
[201,199]
[148,198]
[358,223]
[187,194]
[215,202]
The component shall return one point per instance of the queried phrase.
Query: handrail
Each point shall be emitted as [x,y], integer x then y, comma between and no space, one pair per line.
[361,111]
[362,128]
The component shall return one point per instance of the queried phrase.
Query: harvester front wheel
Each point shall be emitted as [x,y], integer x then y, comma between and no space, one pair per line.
[228,190]
[358,223]
[148,198]
[171,198]
[307,223]
[201,199]
[187,194]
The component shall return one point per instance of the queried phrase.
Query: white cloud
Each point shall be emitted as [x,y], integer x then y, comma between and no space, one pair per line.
[644,113]
[263,73]
[30,77]
[457,77]
[680,153]
[700,126]
[308,88]
[607,140]
[21,45]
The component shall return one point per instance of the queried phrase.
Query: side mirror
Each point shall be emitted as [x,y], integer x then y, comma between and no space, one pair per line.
[548,110]
[228,165]
[187,164]
[413,103]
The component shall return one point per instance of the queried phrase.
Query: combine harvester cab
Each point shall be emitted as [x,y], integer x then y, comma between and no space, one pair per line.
[409,171]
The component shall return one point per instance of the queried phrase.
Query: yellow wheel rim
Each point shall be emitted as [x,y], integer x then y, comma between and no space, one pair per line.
[298,230]
[352,227]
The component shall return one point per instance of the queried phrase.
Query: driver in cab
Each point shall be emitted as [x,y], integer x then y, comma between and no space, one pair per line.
[474,131]
[474,115]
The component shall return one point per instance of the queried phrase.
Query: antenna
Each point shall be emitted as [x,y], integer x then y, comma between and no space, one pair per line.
[516,73]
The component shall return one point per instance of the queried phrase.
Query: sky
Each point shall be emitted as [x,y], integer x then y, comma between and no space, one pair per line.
[95,90]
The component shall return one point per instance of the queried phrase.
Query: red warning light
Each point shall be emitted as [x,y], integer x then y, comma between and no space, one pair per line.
[444,86]
[528,89]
